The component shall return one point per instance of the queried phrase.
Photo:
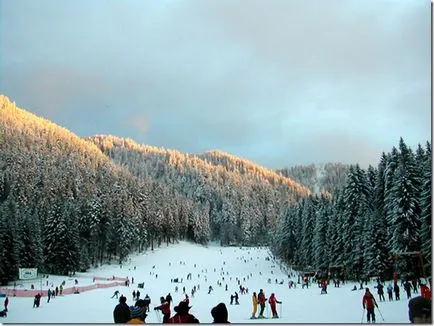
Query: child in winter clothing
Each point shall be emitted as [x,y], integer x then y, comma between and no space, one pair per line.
[369,304]
[390,292]
[255,305]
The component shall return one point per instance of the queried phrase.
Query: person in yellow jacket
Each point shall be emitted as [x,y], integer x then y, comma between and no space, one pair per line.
[138,315]
[255,305]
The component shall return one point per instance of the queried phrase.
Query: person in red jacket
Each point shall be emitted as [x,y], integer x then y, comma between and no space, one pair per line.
[165,309]
[261,301]
[369,304]
[425,291]
[182,315]
[272,301]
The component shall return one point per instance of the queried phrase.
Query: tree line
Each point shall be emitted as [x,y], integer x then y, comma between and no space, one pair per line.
[366,225]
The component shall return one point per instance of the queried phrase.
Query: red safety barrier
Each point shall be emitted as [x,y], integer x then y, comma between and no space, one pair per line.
[113,278]
[71,290]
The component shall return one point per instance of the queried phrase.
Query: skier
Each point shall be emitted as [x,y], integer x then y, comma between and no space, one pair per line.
[236,298]
[396,290]
[414,285]
[137,295]
[407,288]
[147,302]
[261,300]
[187,299]
[272,301]
[255,305]
[369,304]
[134,295]
[115,294]
[48,295]
[390,291]
[6,303]
[380,291]
[169,298]
[165,309]
[37,300]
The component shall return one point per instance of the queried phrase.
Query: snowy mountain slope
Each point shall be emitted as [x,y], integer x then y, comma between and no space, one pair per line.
[340,305]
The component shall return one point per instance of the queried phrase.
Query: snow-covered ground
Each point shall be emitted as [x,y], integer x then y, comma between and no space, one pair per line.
[340,305]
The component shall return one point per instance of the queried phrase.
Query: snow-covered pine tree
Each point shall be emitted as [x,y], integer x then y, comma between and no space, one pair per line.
[320,243]
[335,232]
[426,204]
[355,197]
[308,217]
[405,222]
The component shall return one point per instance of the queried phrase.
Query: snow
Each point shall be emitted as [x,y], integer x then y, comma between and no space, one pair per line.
[340,305]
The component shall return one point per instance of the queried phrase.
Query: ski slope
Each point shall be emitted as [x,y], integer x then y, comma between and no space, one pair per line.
[157,268]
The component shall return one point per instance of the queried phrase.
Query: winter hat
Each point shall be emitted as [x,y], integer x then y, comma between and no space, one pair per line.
[220,313]
[122,299]
[137,312]
[182,307]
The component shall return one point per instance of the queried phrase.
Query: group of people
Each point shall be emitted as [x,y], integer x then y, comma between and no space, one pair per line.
[124,314]
[419,307]
[260,300]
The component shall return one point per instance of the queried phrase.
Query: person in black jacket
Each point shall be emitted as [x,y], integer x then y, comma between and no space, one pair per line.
[419,310]
[220,314]
[121,313]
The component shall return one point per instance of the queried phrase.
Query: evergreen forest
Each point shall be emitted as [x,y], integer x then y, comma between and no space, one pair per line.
[69,203]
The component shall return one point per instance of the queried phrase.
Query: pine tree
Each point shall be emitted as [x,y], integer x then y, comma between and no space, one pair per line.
[426,200]
[320,244]
[406,220]
[355,197]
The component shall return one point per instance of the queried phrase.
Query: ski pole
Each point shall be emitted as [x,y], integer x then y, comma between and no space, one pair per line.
[280,312]
[380,313]
[363,313]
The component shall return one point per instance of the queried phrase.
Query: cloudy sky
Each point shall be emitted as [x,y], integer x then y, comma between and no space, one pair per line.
[277,82]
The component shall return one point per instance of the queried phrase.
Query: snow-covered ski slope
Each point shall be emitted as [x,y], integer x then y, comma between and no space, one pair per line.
[340,305]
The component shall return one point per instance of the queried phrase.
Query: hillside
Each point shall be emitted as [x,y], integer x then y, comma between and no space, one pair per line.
[67,203]
[63,204]
[242,201]
[319,178]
